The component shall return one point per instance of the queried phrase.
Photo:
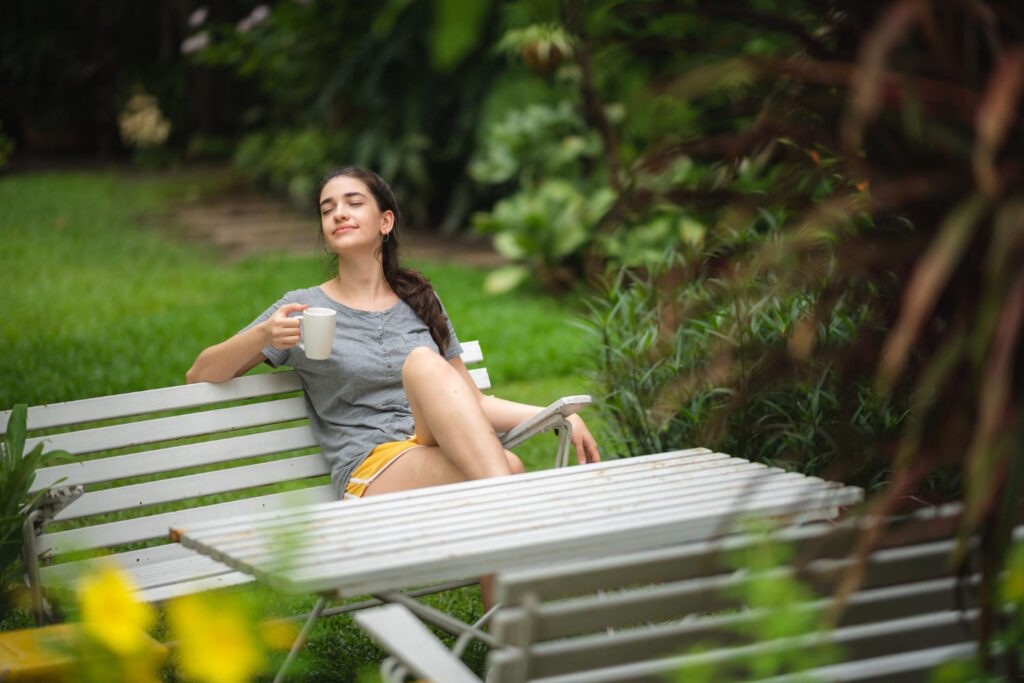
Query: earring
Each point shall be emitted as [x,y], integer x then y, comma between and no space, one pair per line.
[386,237]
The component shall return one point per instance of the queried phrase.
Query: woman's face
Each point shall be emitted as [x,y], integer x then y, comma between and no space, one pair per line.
[349,216]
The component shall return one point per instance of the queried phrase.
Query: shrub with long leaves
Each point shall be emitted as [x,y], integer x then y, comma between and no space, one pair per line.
[17,472]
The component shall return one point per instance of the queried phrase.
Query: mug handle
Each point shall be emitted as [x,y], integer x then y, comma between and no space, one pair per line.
[300,344]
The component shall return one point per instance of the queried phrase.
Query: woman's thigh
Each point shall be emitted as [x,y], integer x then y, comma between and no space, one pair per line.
[416,468]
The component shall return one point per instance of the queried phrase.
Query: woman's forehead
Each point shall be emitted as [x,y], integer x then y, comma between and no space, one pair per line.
[343,185]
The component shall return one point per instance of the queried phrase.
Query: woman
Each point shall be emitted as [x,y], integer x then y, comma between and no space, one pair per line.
[394,407]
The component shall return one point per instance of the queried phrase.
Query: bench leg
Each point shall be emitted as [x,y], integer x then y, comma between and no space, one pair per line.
[301,639]
[31,557]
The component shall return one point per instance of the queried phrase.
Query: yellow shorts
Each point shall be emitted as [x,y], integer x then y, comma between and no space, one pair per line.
[379,459]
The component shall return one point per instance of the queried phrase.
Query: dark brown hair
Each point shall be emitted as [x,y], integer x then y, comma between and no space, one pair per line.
[411,286]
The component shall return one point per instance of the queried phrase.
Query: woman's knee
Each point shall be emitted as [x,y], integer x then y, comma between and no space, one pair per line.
[422,359]
[514,463]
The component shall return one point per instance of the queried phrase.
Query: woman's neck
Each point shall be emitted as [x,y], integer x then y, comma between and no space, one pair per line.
[361,284]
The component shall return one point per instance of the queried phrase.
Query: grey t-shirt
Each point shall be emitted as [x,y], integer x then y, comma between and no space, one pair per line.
[355,398]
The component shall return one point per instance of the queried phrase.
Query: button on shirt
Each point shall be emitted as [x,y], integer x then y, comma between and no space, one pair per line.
[355,398]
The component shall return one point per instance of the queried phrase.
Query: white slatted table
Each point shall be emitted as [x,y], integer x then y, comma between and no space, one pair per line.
[427,536]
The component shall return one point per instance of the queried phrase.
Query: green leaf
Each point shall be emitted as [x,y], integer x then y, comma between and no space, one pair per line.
[458,25]
[505,279]
[16,427]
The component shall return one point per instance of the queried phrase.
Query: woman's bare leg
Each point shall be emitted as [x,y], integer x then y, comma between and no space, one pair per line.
[448,415]
[416,468]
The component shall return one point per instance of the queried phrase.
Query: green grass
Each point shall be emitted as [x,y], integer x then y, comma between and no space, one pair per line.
[101,298]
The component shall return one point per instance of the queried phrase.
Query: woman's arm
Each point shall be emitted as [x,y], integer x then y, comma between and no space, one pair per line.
[244,351]
[504,415]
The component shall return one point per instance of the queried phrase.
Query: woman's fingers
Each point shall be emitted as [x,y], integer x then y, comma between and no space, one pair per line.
[583,442]
[285,331]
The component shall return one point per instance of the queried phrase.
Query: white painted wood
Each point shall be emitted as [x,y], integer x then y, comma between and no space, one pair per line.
[195,485]
[481,378]
[132,560]
[176,427]
[174,590]
[471,352]
[822,540]
[156,400]
[697,482]
[402,633]
[697,458]
[706,483]
[530,519]
[156,526]
[857,642]
[524,523]
[903,667]
[175,458]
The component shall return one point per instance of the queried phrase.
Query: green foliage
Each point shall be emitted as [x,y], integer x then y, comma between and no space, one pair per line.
[381,92]
[290,161]
[532,143]
[710,380]
[17,472]
[543,229]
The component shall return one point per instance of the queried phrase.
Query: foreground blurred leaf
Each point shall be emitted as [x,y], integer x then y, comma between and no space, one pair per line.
[930,276]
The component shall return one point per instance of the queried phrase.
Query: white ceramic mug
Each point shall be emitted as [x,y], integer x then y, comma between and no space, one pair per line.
[317,329]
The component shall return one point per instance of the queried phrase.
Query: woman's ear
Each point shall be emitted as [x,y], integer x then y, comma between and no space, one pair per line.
[387,222]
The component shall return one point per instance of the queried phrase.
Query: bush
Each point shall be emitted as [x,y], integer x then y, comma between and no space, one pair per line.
[689,361]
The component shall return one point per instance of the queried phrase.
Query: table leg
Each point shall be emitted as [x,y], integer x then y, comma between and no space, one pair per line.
[439,618]
[301,639]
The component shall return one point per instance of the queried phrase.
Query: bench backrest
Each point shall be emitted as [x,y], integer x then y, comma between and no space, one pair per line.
[637,617]
[152,459]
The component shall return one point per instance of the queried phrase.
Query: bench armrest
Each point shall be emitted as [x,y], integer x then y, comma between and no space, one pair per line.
[405,636]
[551,417]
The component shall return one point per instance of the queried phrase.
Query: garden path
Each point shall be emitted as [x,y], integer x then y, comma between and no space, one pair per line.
[250,224]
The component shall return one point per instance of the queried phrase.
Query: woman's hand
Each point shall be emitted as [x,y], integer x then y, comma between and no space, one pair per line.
[284,332]
[583,441]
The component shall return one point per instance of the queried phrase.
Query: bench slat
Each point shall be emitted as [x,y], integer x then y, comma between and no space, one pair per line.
[175,458]
[195,485]
[156,526]
[697,559]
[731,630]
[481,378]
[173,590]
[131,560]
[176,427]
[857,642]
[156,400]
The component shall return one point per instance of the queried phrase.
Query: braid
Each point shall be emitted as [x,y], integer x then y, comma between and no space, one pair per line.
[413,288]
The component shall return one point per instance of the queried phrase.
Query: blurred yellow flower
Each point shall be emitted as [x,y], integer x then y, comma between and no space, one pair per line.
[112,614]
[217,641]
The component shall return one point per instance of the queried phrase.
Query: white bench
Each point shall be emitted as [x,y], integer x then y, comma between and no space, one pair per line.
[166,457]
[640,617]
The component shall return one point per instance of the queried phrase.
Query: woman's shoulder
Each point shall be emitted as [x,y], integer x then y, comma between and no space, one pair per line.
[305,295]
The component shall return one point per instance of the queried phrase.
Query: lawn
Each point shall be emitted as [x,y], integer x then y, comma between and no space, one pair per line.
[101,297]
